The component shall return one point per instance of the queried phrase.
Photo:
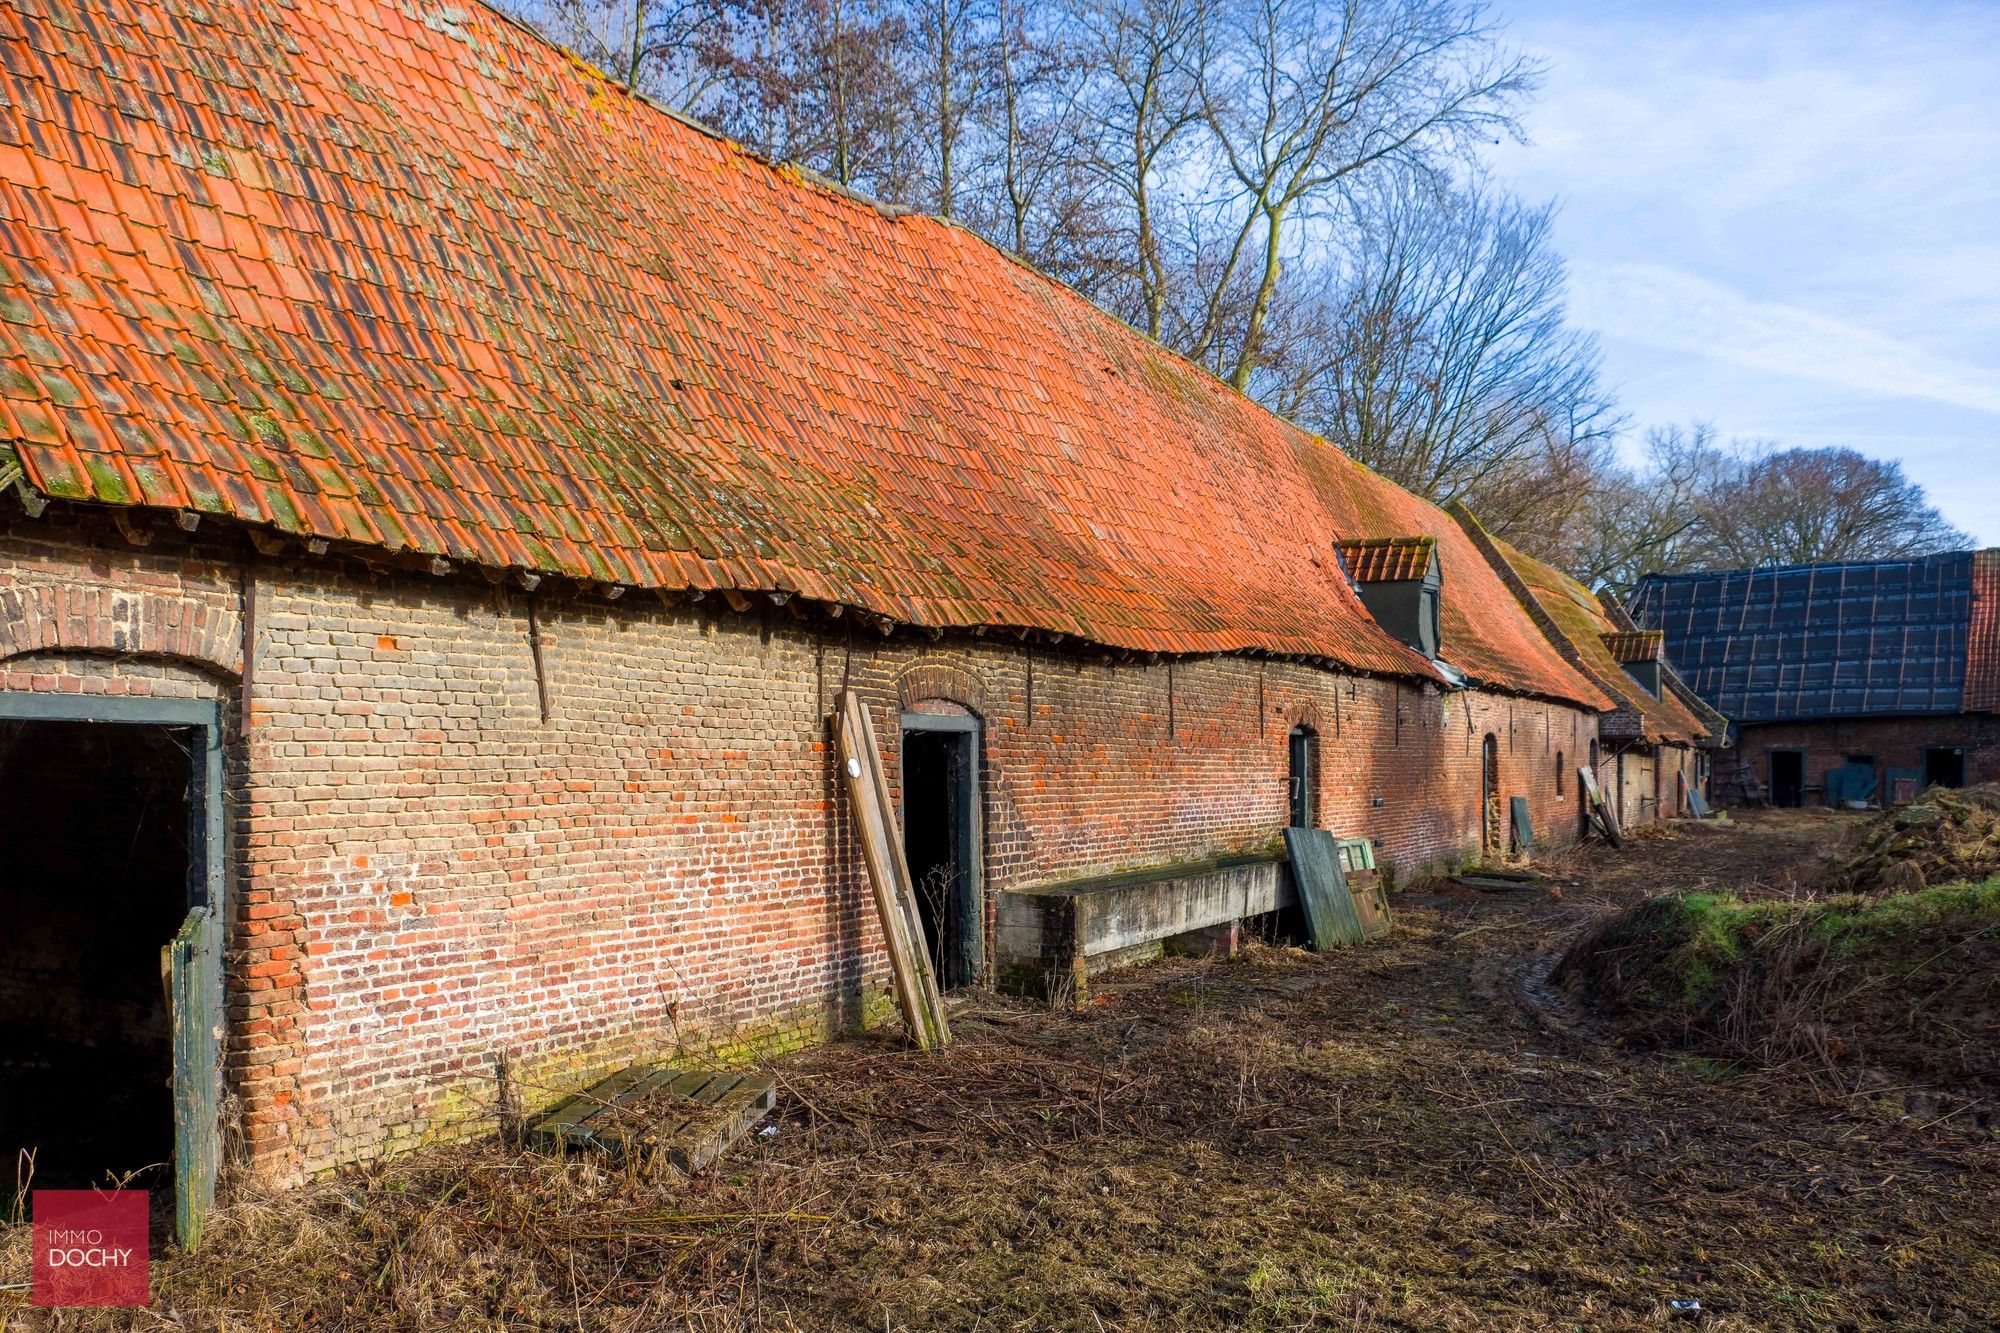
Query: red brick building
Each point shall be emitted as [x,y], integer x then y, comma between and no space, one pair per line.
[1857,683]
[1658,744]
[446,494]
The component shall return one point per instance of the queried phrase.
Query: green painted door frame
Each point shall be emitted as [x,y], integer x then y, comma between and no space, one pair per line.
[194,956]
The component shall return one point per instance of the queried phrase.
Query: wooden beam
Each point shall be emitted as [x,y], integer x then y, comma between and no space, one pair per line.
[888,872]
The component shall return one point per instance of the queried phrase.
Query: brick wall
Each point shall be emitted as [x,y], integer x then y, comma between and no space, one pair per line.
[440,890]
[1894,742]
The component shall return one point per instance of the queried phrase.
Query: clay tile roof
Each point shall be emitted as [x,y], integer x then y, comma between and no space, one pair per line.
[1483,631]
[1982,649]
[1584,630]
[1388,559]
[397,273]
[1632,646]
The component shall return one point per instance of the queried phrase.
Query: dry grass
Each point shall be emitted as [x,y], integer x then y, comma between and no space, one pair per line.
[1365,1140]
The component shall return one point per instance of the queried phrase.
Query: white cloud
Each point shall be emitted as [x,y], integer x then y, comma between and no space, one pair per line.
[1781,216]
[1669,308]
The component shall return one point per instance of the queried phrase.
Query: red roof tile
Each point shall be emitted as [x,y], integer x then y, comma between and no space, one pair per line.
[1580,625]
[1388,559]
[1636,645]
[1982,647]
[403,275]
[1483,631]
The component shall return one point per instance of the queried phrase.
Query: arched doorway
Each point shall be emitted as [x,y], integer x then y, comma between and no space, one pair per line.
[1302,778]
[1492,826]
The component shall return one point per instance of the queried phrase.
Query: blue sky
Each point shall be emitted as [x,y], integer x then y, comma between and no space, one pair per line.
[1784,218]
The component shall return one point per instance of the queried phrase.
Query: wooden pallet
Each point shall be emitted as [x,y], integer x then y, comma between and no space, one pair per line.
[710,1112]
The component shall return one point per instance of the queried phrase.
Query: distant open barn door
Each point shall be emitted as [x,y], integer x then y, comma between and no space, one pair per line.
[1944,767]
[111,912]
[1788,777]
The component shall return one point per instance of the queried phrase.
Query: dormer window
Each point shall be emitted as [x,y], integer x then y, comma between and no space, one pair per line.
[1640,652]
[1401,583]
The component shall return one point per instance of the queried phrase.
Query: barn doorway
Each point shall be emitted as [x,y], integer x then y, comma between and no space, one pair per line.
[1302,777]
[1944,767]
[1788,778]
[1492,824]
[942,840]
[110,994]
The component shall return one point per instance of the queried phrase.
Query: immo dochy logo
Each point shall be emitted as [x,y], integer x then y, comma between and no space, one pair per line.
[90,1247]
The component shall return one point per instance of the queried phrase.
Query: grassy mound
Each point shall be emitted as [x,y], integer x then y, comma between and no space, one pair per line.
[1944,837]
[1907,983]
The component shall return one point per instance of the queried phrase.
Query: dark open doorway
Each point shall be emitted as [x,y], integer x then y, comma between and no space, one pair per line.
[941,839]
[1302,778]
[1944,767]
[1788,777]
[109,949]
[1492,825]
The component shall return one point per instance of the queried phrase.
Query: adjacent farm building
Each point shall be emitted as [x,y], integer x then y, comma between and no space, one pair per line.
[444,496]
[1658,743]
[1855,682]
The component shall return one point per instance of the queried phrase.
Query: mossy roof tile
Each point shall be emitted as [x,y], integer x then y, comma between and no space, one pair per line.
[512,313]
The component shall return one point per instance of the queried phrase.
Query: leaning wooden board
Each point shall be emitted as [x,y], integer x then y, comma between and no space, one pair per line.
[889,873]
[1523,821]
[1600,810]
[720,1108]
[1323,892]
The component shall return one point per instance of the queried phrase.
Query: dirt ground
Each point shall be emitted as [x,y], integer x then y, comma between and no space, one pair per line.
[1384,1138]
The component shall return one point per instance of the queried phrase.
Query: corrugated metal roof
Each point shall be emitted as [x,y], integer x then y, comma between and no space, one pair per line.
[1861,639]
[403,275]
[1388,559]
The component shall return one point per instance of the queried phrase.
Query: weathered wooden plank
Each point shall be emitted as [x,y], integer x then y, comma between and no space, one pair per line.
[1330,914]
[1524,827]
[717,1108]
[888,873]
[1371,901]
[697,1145]
[569,1120]
[1601,814]
[193,966]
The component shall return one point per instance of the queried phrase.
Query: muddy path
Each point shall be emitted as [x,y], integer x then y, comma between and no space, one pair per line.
[1381,1138]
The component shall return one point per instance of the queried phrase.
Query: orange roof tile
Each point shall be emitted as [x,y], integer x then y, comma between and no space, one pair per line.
[1483,631]
[1579,623]
[404,275]
[1388,559]
[1982,645]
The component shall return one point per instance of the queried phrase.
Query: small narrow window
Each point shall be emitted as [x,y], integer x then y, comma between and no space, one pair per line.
[1560,766]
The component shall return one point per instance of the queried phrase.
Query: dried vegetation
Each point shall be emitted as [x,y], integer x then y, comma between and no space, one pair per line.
[1386,1137]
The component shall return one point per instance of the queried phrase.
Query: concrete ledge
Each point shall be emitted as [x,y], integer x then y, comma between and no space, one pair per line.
[1053,938]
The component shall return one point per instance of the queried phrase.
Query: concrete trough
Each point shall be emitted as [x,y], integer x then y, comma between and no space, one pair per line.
[1053,938]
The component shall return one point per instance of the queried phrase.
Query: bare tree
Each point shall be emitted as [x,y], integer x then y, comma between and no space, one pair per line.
[668,49]
[1441,359]
[1302,96]
[1635,520]
[1803,506]
[1144,104]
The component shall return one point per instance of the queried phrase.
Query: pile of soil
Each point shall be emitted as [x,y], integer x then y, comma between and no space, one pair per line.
[1944,837]
[1893,988]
